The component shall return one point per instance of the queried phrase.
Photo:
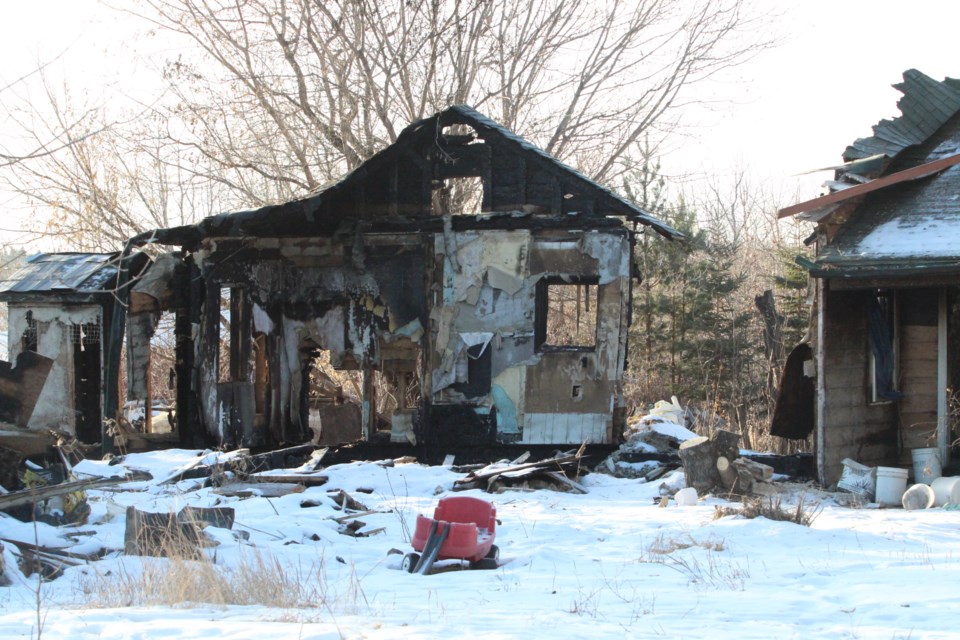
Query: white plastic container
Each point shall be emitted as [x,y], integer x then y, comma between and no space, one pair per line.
[891,485]
[919,496]
[686,497]
[926,465]
[946,490]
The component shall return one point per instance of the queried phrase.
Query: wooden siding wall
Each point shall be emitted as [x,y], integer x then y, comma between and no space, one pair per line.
[854,427]
[918,370]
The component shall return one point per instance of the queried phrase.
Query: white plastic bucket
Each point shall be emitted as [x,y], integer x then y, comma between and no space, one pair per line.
[946,490]
[926,465]
[891,485]
[919,496]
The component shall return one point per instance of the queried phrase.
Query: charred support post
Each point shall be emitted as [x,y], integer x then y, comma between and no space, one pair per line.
[113,347]
[369,402]
[188,317]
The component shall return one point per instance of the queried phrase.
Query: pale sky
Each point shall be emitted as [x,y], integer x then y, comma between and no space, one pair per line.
[790,110]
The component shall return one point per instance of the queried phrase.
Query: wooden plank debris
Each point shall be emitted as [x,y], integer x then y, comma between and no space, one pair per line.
[494,476]
[345,501]
[243,465]
[306,480]
[30,496]
[172,534]
[258,489]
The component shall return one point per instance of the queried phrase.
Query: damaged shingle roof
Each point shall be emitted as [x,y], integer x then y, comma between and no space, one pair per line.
[911,227]
[62,272]
[925,106]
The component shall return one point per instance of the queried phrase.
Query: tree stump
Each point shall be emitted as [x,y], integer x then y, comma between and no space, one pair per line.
[699,457]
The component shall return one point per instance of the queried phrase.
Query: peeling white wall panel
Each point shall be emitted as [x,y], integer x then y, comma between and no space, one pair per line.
[261,321]
[565,428]
[507,393]
[611,252]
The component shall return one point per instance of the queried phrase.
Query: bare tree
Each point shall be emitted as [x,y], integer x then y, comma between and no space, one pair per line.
[302,90]
[270,99]
[114,179]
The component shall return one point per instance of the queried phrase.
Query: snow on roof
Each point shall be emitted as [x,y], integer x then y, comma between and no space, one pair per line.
[921,236]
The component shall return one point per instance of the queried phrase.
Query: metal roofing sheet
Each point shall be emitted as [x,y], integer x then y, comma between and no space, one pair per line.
[62,272]
[925,106]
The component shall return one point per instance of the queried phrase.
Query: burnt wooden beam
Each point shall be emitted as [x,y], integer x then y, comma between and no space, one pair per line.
[30,496]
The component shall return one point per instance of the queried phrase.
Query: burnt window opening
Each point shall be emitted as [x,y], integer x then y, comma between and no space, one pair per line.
[459,134]
[566,313]
[29,340]
[235,362]
[456,196]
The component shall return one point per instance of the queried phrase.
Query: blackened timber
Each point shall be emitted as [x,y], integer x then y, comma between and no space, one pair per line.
[463,161]
[507,220]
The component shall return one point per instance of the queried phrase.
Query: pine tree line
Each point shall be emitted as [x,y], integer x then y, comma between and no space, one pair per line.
[697,332]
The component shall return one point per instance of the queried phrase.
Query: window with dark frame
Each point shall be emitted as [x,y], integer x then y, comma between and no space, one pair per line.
[566,318]
[883,337]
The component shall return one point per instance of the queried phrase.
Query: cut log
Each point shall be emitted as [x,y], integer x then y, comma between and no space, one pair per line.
[699,464]
[699,457]
[728,474]
[758,470]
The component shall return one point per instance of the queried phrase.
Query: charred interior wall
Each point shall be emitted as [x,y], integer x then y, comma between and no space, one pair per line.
[352,299]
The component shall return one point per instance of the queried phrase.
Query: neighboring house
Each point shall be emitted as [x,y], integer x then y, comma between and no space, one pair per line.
[475,289]
[886,338]
[59,305]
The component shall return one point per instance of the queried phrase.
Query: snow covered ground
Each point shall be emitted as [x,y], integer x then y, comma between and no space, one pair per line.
[609,564]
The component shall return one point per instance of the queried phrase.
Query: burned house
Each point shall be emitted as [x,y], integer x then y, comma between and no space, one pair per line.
[60,306]
[459,286]
[886,327]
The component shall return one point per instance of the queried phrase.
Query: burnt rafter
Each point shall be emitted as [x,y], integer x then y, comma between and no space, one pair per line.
[396,183]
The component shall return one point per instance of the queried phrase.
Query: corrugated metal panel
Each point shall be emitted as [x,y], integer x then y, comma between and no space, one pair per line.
[62,272]
[926,105]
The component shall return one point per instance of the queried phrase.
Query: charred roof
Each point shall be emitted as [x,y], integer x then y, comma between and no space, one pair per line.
[393,189]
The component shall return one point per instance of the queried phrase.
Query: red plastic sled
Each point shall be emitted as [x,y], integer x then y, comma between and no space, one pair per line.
[462,528]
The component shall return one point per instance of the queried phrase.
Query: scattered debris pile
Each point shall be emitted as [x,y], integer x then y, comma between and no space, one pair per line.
[651,444]
[559,471]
